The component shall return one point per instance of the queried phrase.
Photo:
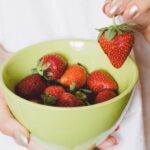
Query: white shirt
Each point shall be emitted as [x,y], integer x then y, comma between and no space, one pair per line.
[26,22]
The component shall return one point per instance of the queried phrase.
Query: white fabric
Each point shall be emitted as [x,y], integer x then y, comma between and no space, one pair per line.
[26,22]
[131,134]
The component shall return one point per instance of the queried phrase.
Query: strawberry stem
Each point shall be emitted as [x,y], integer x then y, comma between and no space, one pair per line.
[115,24]
[114,21]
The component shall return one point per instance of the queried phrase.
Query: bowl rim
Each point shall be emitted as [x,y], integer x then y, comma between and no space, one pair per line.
[41,106]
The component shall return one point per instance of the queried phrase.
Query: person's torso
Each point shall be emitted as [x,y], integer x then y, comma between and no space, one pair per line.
[26,22]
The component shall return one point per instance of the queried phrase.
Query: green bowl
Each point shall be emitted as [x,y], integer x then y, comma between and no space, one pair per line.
[67,127]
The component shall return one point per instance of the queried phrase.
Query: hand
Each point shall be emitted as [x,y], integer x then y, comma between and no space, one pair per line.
[10,127]
[137,11]
[109,142]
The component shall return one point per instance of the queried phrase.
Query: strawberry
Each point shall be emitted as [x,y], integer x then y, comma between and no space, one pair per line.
[31,87]
[100,80]
[51,66]
[116,42]
[68,100]
[74,76]
[104,96]
[51,94]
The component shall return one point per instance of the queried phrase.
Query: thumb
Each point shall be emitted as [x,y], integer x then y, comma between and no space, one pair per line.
[109,142]
[10,127]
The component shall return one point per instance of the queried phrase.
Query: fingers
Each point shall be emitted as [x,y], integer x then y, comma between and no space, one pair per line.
[115,7]
[128,8]
[110,141]
[10,127]
[136,8]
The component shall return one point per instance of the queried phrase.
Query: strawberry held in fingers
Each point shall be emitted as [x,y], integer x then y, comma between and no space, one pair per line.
[74,75]
[31,87]
[100,80]
[116,42]
[51,66]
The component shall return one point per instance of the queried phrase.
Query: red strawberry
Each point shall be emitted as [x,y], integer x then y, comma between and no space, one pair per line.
[54,90]
[31,87]
[104,96]
[51,94]
[100,80]
[116,42]
[68,100]
[74,75]
[51,66]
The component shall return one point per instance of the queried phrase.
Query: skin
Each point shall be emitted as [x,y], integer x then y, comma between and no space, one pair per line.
[9,126]
[123,7]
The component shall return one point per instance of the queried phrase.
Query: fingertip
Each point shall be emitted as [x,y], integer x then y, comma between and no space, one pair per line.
[109,142]
[14,129]
[20,134]
[17,127]
[20,138]
[131,12]
[106,9]
[118,128]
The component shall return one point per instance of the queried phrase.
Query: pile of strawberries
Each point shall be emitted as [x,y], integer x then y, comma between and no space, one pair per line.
[55,83]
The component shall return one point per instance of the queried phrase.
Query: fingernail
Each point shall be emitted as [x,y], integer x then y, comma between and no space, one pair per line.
[117,128]
[105,6]
[21,139]
[113,10]
[109,142]
[133,11]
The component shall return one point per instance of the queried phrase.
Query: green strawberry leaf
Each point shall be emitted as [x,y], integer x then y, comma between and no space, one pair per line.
[80,95]
[34,71]
[110,34]
[100,34]
[38,63]
[102,29]
[72,87]
[133,24]
[40,72]
[48,100]
[46,66]
[46,78]
[125,28]
[119,32]
[86,91]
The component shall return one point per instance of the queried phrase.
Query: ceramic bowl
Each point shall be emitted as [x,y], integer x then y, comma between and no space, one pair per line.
[67,126]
